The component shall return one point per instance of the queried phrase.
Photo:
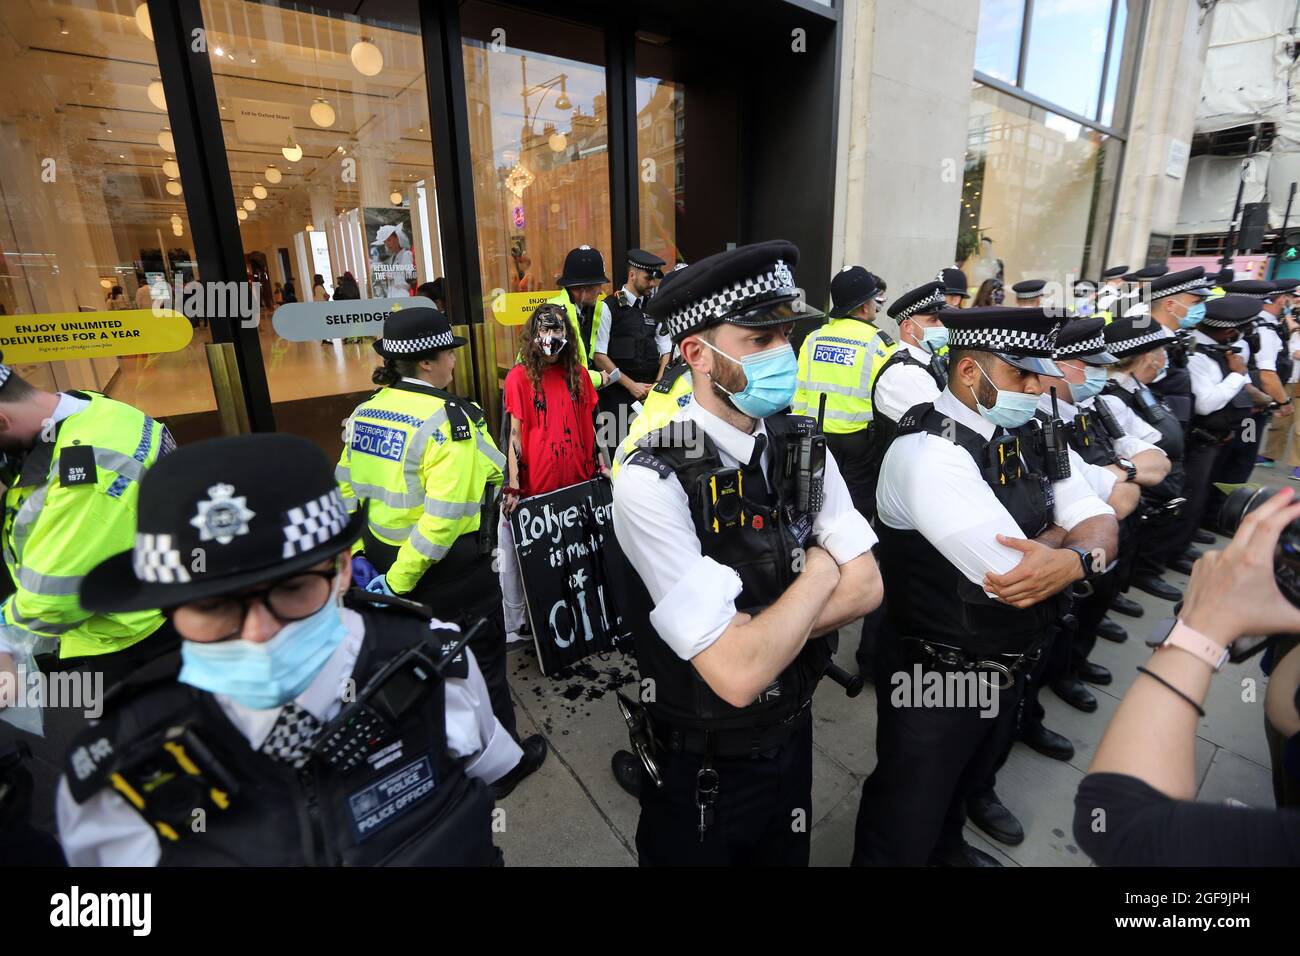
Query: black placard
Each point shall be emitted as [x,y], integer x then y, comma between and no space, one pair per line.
[572,572]
[77,466]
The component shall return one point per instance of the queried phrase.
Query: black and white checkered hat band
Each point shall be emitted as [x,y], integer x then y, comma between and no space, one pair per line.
[442,340]
[1212,323]
[779,281]
[1011,341]
[1032,294]
[1192,286]
[931,303]
[1258,295]
[1128,346]
[157,561]
[5,372]
[314,523]
[1095,343]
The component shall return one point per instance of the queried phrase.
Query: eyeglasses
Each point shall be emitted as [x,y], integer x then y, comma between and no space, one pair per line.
[221,618]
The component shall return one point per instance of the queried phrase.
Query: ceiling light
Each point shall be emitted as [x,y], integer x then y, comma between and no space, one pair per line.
[218,51]
[272,175]
[121,156]
[310,227]
[557,142]
[142,20]
[171,169]
[177,230]
[156,95]
[259,191]
[241,214]
[173,187]
[291,150]
[176,219]
[322,114]
[165,141]
[250,205]
[106,130]
[366,57]
[563,103]
[395,198]
[63,27]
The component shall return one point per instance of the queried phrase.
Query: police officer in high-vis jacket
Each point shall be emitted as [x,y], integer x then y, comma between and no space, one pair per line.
[425,465]
[581,281]
[72,464]
[292,728]
[746,549]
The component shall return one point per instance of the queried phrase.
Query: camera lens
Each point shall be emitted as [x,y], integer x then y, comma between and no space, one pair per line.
[1286,558]
[728,508]
[1239,503]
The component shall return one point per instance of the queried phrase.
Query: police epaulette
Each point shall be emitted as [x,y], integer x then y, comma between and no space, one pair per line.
[671,374]
[913,419]
[445,640]
[886,338]
[649,460]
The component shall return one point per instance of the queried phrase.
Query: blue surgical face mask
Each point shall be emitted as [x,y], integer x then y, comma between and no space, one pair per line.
[1011,410]
[1094,380]
[1164,368]
[1193,317]
[769,380]
[933,338]
[269,674]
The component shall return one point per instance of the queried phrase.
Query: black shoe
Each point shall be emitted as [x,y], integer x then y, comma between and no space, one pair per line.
[987,812]
[1158,588]
[1111,631]
[1181,564]
[1127,606]
[1094,674]
[1072,691]
[1191,554]
[965,855]
[1048,742]
[1203,537]
[534,754]
[627,771]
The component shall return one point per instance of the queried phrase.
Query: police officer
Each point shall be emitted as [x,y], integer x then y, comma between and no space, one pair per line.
[976,547]
[841,360]
[1110,291]
[626,342]
[1269,367]
[429,472]
[582,279]
[291,729]
[956,290]
[729,629]
[71,467]
[1029,293]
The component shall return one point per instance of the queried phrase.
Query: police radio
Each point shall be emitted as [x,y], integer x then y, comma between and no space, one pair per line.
[811,466]
[1107,419]
[1058,448]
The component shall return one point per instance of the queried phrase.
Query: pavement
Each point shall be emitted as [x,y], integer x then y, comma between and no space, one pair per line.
[572,813]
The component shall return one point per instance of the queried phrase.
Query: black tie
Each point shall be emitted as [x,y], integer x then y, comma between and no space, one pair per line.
[756,456]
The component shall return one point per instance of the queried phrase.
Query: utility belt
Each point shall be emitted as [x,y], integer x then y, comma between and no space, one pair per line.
[742,742]
[947,657]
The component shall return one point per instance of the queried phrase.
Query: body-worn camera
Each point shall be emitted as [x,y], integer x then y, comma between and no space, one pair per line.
[1286,559]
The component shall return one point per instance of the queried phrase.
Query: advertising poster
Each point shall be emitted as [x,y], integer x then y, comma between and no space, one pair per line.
[392,260]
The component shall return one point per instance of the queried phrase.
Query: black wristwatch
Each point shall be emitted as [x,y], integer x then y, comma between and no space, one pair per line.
[1085,558]
[1129,467]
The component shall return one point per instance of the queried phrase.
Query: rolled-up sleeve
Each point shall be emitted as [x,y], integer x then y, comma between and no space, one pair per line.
[840,527]
[473,732]
[1076,499]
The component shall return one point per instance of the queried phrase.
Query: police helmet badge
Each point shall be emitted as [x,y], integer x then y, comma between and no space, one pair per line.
[223,516]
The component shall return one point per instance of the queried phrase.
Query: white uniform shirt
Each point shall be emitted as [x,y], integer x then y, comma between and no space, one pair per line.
[604,320]
[1293,346]
[105,831]
[694,595]
[1129,420]
[932,485]
[1211,389]
[903,385]
[1270,343]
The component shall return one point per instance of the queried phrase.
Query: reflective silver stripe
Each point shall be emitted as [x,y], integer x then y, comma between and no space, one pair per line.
[450,509]
[415,452]
[390,534]
[848,416]
[48,585]
[489,451]
[351,504]
[435,552]
[36,624]
[394,499]
[852,391]
[26,517]
[124,465]
[342,473]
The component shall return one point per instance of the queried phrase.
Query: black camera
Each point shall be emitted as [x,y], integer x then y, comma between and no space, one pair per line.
[1286,559]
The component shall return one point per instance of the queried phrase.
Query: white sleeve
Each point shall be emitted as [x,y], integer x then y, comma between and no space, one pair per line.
[473,732]
[1126,446]
[663,343]
[903,386]
[1269,346]
[932,486]
[1101,480]
[1076,499]
[103,831]
[1211,394]
[694,596]
[840,527]
[1132,423]
[601,345]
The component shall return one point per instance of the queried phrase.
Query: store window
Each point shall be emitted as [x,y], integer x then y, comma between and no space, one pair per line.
[997,44]
[1119,69]
[660,149]
[1067,47]
[94,220]
[539,147]
[326,124]
[1037,192]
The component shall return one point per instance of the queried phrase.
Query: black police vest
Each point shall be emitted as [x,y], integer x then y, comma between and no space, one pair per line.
[1089,435]
[883,428]
[408,804]
[929,598]
[1227,419]
[632,339]
[1175,389]
[1144,404]
[763,552]
[1285,364]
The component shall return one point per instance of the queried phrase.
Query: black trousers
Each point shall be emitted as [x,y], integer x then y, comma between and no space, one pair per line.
[1172,539]
[1151,544]
[928,760]
[1234,465]
[762,815]
[460,589]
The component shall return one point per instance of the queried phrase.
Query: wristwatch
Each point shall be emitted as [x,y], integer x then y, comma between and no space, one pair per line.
[1129,467]
[1195,643]
[1085,558]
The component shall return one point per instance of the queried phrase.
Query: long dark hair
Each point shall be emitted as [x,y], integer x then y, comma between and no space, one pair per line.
[985,294]
[394,370]
[533,359]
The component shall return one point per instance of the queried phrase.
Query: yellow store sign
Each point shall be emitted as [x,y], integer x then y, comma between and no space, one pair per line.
[58,336]
[515,308]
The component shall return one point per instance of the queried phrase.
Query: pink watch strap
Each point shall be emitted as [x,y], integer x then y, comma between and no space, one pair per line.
[1196,644]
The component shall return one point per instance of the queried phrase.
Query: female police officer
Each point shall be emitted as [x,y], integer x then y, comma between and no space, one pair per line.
[297,731]
[425,463]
